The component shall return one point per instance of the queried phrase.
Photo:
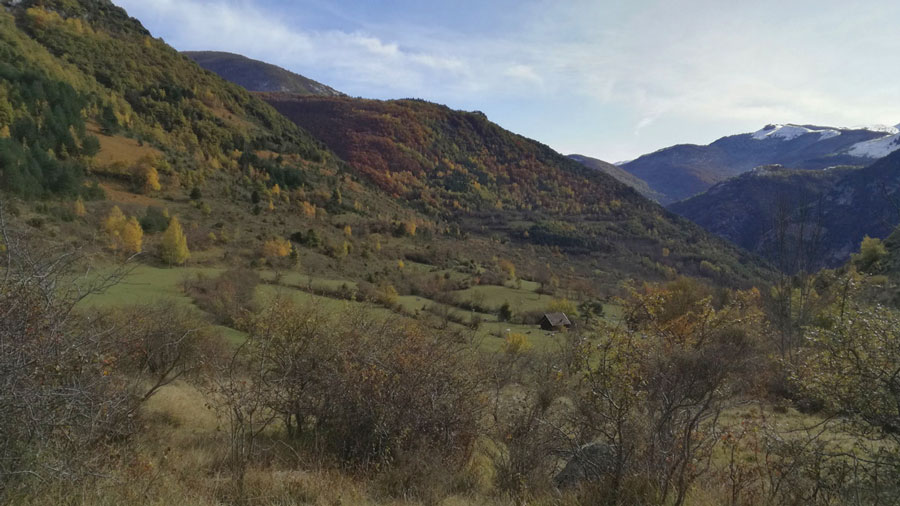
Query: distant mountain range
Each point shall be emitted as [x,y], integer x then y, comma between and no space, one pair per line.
[623,176]
[685,170]
[839,206]
[255,75]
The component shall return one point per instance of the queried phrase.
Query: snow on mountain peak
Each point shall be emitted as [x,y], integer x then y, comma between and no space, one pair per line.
[788,132]
[876,148]
[890,130]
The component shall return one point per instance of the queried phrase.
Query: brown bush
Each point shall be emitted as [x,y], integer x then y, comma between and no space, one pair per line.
[228,296]
[372,391]
[72,384]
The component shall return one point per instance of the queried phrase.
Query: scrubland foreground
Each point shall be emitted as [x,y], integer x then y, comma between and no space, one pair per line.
[694,395]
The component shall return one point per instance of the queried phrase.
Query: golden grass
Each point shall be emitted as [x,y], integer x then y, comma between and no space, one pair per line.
[120,149]
[115,193]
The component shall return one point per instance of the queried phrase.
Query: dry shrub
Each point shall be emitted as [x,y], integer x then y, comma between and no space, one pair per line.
[228,296]
[71,384]
[371,393]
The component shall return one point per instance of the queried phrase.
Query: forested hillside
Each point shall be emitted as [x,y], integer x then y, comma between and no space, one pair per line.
[830,210]
[441,163]
[458,164]
[111,76]
[624,176]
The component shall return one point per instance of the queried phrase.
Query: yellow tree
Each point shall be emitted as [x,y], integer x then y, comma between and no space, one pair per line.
[132,236]
[563,306]
[146,175]
[276,248]
[507,267]
[174,248]
[79,208]
[112,226]
[151,180]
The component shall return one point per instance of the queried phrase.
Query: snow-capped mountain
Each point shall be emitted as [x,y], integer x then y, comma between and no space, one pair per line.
[681,171]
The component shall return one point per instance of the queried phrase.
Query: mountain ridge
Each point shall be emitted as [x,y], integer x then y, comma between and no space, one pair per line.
[681,171]
[617,172]
[256,75]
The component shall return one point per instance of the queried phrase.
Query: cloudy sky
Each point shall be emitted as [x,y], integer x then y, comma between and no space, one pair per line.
[608,78]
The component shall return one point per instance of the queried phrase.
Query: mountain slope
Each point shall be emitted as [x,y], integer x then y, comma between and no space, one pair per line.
[623,176]
[256,75]
[95,99]
[88,66]
[839,206]
[681,171]
[461,166]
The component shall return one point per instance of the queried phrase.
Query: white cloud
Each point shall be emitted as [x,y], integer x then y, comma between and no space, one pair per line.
[698,61]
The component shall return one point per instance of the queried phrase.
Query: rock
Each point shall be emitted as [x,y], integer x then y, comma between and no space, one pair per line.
[590,462]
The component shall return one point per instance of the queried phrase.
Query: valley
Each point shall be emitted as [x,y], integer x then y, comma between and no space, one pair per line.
[222,282]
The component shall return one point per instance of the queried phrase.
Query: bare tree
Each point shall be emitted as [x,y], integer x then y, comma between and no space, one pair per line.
[796,248]
[71,381]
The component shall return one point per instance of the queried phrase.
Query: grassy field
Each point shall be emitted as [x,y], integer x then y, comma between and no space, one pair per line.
[304,281]
[329,305]
[519,299]
[145,284]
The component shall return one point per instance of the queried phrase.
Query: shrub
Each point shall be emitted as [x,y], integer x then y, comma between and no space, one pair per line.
[73,385]
[228,296]
[154,220]
[516,343]
[373,391]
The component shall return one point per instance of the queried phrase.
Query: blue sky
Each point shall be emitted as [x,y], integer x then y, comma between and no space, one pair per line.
[610,79]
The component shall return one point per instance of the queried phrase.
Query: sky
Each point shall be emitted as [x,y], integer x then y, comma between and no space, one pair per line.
[612,79]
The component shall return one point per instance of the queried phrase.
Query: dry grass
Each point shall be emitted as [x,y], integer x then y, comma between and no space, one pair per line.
[120,149]
[179,461]
[116,194]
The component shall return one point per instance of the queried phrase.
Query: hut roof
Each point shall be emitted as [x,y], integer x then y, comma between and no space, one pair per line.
[557,319]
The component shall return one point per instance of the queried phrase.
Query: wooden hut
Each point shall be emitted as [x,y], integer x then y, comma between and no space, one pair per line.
[555,322]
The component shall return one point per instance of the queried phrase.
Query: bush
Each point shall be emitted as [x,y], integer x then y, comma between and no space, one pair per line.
[73,385]
[373,391]
[228,296]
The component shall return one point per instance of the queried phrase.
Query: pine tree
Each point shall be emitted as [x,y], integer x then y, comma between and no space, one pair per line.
[174,248]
